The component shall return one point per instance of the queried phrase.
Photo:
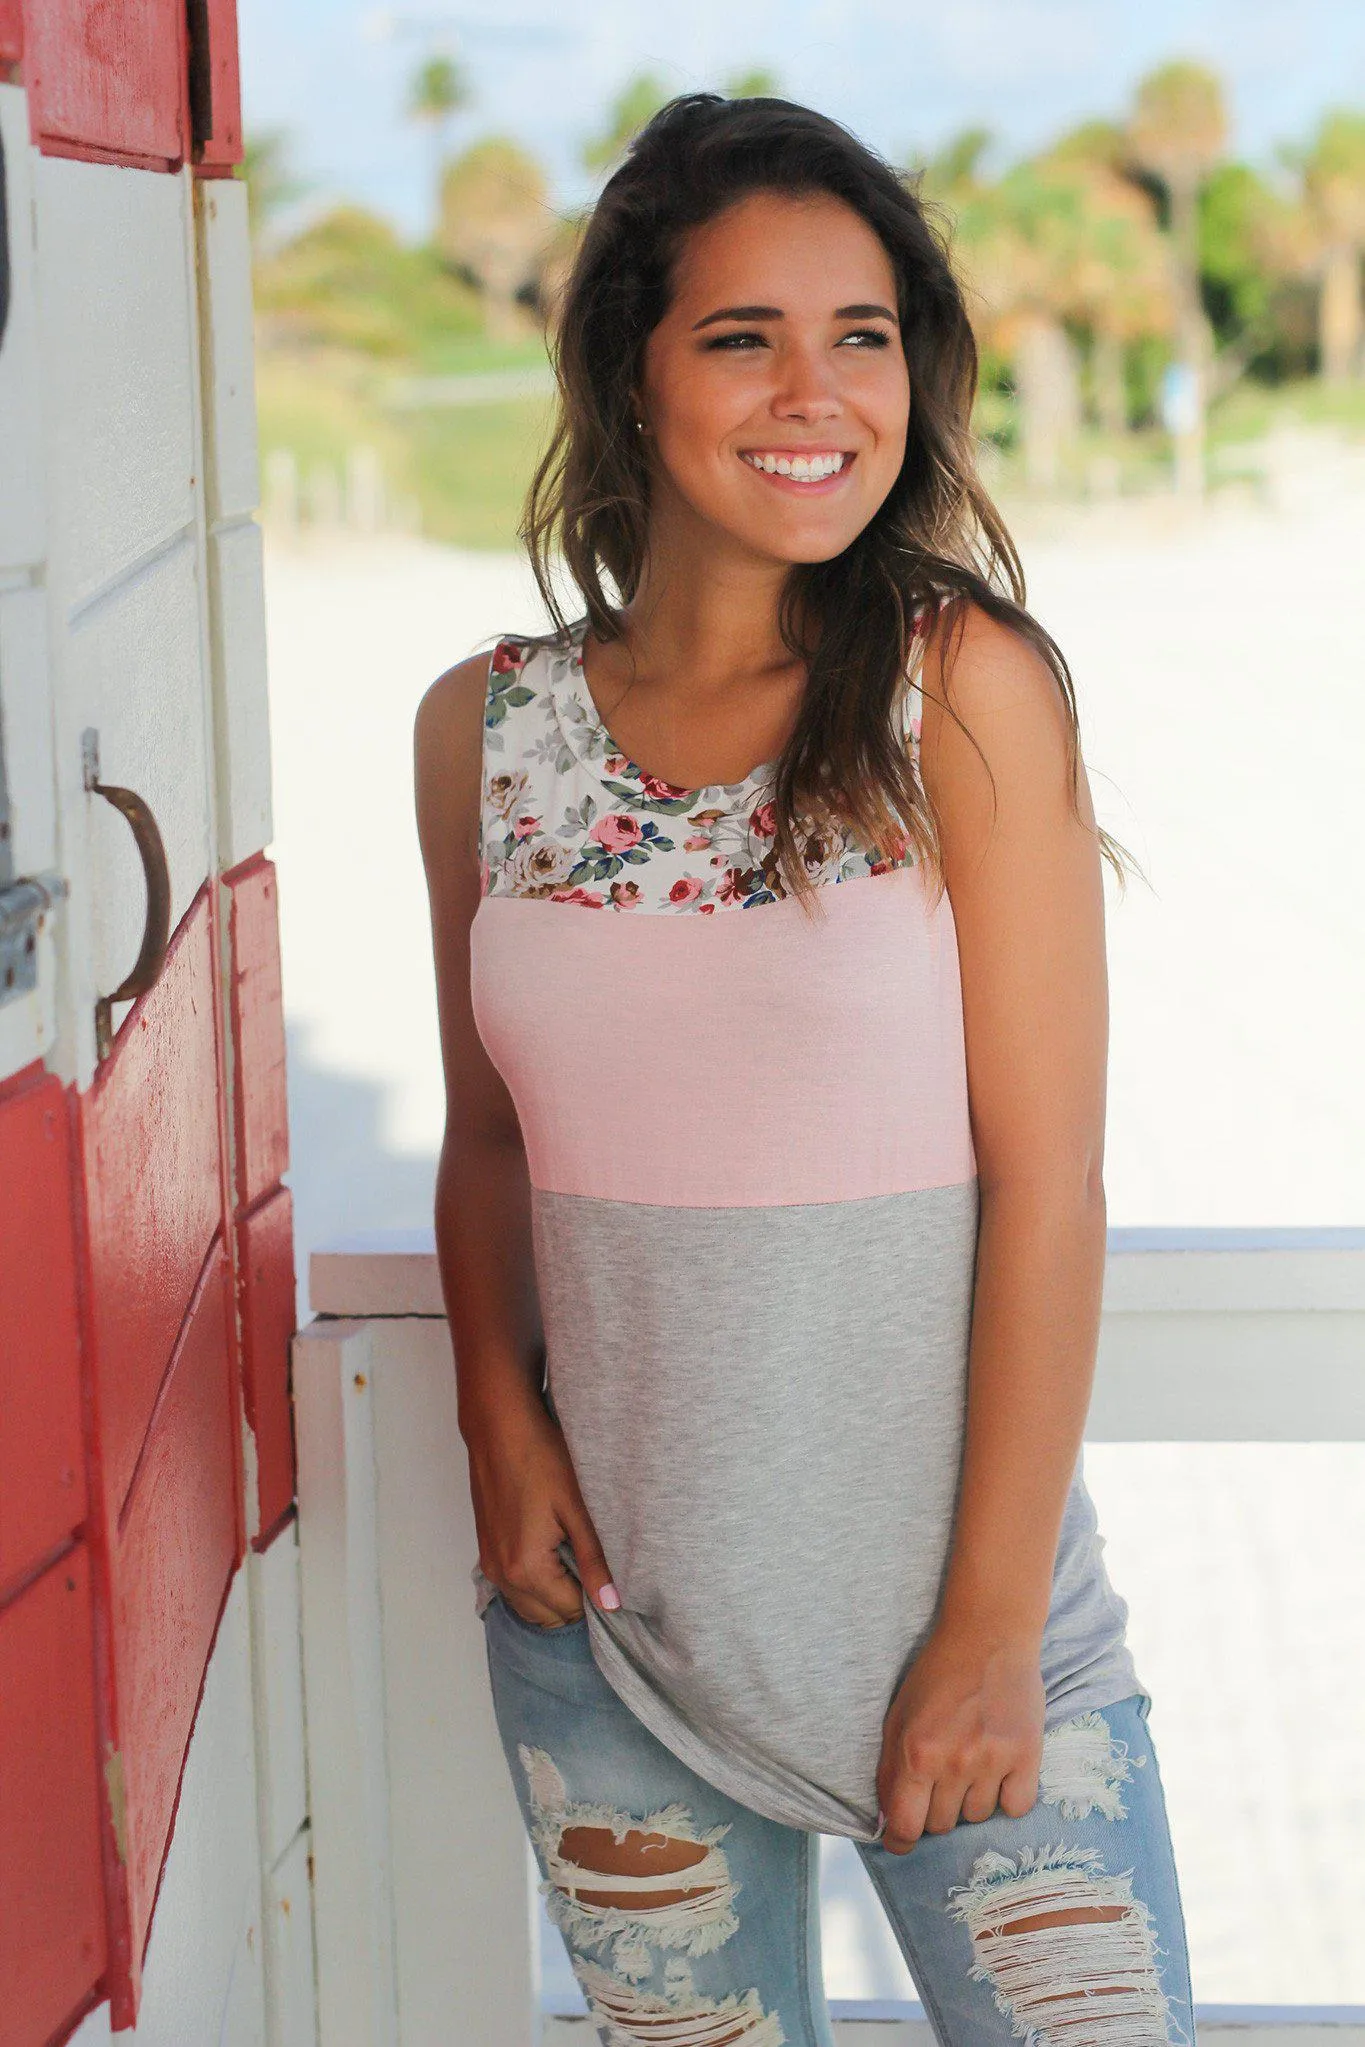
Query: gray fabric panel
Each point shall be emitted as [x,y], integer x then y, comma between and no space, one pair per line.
[765,1409]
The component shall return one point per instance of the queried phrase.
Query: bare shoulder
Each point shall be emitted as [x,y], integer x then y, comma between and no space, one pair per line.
[447,758]
[980,665]
[1010,769]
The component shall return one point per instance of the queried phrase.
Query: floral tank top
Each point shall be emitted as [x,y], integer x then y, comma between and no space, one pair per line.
[754,1212]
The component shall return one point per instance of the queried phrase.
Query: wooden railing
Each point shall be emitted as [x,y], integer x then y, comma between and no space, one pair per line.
[426,1911]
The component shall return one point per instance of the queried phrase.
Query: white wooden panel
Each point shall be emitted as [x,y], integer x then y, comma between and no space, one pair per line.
[115,300]
[28,1022]
[1235,1377]
[343,1657]
[22,497]
[278,1665]
[291,1998]
[229,375]
[204,1983]
[393,1272]
[132,667]
[461,1896]
[241,713]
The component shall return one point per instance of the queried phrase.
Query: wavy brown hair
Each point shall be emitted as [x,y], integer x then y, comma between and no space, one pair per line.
[856,619]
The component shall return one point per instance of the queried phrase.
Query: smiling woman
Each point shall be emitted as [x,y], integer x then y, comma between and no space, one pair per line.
[771,1241]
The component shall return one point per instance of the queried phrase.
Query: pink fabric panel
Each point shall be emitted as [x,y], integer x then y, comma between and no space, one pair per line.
[747,1059]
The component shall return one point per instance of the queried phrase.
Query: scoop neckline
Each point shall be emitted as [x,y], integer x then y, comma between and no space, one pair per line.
[633,772]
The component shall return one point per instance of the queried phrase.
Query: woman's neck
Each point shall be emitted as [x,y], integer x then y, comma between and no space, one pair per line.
[705,608]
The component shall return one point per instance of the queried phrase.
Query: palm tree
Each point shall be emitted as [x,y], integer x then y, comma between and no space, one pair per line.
[439,90]
[1177,132]
[271,186]
[1332,169]
[635,104]
[496,224]
[755,84]
[1120,286]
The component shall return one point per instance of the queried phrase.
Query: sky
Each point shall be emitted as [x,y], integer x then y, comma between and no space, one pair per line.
[904,74]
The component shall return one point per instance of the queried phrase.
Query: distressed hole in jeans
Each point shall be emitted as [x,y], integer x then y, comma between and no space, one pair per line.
[631,1884]
[1083,1767]
[1069,1952]
[680,2018]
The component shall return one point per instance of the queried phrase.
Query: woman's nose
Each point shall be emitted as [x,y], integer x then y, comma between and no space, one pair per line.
[807,390]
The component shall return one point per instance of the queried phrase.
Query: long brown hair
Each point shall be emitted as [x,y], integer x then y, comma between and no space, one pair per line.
[857,620]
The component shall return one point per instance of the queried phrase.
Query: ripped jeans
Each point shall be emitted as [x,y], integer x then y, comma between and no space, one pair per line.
[693,1921]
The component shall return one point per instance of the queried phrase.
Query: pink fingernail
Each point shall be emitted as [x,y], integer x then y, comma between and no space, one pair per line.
[610,1597]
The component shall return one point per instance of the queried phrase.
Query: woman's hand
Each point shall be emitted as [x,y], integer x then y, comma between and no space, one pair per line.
[526,1502]
[963,1734]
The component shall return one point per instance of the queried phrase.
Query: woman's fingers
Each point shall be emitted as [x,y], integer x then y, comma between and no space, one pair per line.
[1019,1792]
[982,1797]
[945,1804]
[587,1553]
[906,1811]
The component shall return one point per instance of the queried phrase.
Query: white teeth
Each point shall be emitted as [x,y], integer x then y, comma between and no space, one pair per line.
[804,468]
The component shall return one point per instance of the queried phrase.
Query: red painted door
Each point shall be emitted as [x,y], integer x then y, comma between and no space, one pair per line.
[146,1271]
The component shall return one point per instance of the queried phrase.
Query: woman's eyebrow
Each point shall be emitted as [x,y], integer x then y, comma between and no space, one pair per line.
[868,312]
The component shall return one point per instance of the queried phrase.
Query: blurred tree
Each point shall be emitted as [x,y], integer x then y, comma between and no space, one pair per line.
[949,175]
[439,90]
[757,84]
[1017,241]
[271,186]
[1252,246]
[1178,132]
[635,104]
[1119,286]
[495,226]
[347,283]
[1332,169]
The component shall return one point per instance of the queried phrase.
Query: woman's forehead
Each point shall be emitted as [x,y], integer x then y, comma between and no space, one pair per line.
[780,250]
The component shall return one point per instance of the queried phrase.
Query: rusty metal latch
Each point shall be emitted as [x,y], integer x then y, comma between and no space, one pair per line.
[156,928]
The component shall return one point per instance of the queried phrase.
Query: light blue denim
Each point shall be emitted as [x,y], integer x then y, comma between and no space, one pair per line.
[739,1959]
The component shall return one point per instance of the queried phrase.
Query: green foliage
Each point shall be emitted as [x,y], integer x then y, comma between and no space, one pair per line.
[271,185]
[637,103]
[348,282]
[1233,212]
[752,85]
[439,89]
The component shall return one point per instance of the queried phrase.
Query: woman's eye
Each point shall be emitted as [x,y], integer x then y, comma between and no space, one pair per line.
[875,335]
[732,340]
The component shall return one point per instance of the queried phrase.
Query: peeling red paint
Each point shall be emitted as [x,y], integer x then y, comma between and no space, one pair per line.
[261,1122]
[265,1280]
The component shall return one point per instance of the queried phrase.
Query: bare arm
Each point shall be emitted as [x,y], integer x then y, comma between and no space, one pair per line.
[1027,899]
[526,1497]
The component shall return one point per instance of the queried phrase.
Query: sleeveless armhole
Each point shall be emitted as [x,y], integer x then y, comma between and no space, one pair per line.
[506,660]
[913,703]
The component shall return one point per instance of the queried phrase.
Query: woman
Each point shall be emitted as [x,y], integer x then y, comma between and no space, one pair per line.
[773,1242]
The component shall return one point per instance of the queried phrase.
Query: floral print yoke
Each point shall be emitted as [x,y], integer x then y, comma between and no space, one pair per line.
[566,815]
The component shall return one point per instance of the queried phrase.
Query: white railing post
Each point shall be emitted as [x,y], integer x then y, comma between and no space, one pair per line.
[425,1903]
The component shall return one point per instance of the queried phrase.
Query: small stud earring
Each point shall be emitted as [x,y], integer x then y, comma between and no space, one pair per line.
[639,426]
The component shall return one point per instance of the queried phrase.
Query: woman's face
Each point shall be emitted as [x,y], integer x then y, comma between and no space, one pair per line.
[781,349]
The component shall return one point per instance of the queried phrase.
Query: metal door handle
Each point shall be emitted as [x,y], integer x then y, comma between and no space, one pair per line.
[156,930]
